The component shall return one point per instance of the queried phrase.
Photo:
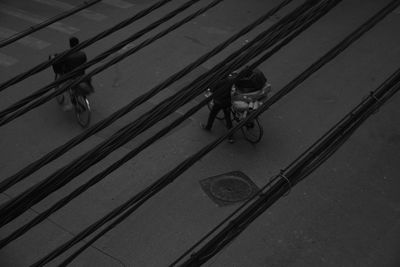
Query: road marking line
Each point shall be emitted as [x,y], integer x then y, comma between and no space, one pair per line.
[118,3]
[7,61]
[27,41]
[66,7]
[36,19]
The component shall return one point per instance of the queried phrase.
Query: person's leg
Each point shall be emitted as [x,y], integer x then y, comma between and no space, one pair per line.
[227,115]
[228,120]
[211,117]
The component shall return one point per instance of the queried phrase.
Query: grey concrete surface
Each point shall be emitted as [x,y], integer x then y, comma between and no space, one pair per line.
[347,213]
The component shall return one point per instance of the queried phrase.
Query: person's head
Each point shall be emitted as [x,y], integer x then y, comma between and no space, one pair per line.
[73,41]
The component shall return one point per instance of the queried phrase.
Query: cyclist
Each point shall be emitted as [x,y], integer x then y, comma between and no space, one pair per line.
[67,65]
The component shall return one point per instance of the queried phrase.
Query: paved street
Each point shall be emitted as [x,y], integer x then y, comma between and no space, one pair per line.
[346,213]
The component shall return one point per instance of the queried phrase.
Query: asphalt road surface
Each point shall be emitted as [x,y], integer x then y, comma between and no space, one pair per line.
[347,213]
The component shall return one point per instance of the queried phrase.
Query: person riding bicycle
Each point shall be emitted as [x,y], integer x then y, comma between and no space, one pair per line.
[250,90]
[69,64]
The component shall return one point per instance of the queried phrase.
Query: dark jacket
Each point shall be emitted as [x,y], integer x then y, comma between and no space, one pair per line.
[73,61]
[222,92]
[70,63]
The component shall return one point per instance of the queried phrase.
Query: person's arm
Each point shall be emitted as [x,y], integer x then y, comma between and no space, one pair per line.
[214,87]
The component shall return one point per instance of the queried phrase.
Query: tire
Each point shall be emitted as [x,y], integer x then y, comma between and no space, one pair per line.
[220,115]
[253,131]
[82,110]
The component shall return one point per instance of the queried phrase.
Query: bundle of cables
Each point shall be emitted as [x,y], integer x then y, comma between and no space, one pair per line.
[299,169]
[36,193]
[140,198]
[66,81]
[83,44]
[232,66]
[12,180]
[288,27]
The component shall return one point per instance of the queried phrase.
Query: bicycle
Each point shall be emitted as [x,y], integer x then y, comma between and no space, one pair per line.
[252,130]
[78,100]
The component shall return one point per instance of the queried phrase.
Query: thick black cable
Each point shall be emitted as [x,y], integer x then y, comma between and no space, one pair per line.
[10,181]
[18,108]
[351,122]
[57,184]
[103,174]
[143,195]
[255,114]
[83,44]
[19,204]
[140,199]
[282,187]
[345,133]
[352,37]
[252,66]
[323,150]
[304,173]
[34,28]
[268,185]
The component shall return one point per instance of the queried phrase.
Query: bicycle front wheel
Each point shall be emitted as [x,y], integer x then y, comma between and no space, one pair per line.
[253,131]
[82,110]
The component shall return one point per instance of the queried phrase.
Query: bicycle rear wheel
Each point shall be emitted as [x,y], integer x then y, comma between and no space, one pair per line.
[253,131]
[82,110]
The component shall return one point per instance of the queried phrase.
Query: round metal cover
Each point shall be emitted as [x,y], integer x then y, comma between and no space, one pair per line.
[231,188]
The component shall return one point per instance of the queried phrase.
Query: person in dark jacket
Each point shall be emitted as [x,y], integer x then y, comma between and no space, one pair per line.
[69,64]
[221,93]
[72,61]
[75,59]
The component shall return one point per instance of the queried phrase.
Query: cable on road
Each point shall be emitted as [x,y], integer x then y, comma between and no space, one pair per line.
[142,197]
[83,44]
[346,42]
[21,203]
[179,167]
[264,110]
[54,154]
[98,177]
[35,28]
[317,154]
[202,87]
[18,108]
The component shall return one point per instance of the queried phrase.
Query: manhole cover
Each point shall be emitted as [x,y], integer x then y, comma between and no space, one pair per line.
[229,188]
